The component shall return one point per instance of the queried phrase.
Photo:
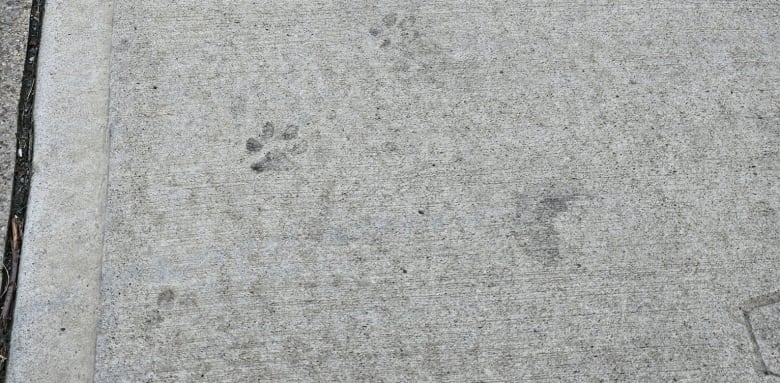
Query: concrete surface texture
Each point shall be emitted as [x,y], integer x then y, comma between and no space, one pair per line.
[13,38]
[454,191]
[54,327]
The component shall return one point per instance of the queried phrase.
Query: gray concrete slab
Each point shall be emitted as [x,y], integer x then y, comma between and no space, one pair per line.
[54,326]
[439,191]
[427,191]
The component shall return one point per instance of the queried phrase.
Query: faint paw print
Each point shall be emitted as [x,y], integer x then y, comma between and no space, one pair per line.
[393,27]
[280,147]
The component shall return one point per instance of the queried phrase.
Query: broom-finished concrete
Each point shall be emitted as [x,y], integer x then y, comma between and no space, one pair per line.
[413,191]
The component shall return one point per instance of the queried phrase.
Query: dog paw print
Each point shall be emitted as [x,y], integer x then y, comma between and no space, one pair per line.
[395,28]
[280,146]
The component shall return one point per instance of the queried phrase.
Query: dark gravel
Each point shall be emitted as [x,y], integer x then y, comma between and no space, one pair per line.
[14,20]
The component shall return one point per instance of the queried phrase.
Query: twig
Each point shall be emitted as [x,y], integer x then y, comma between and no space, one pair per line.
[11,286]
[7,278]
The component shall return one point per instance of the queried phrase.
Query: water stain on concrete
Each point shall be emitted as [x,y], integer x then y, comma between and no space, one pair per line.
[535,222]
[299,147]
[279,147]
[390,19]
[166,297]
[253,145]
[290,132]
[402,30]
[154,318]
[413,55]
[268,131]
[273,161]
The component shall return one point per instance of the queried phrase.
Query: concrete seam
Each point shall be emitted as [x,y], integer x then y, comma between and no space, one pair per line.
[106,181]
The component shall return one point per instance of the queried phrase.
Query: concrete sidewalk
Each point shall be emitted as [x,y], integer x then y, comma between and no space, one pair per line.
[451,191]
